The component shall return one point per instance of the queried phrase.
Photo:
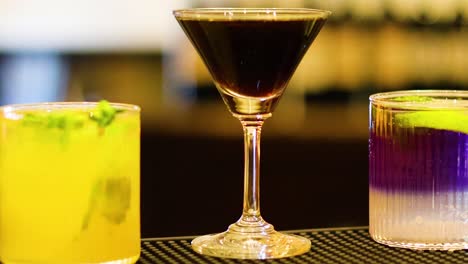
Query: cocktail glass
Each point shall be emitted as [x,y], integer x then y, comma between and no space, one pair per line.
[418,169]
[69,183]
[251,55]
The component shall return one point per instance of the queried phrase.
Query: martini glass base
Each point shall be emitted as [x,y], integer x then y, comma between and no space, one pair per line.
[260,244]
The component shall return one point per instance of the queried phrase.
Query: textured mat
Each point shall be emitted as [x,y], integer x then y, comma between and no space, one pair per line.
[343,245]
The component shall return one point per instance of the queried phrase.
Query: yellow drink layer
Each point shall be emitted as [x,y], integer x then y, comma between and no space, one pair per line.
[69,186]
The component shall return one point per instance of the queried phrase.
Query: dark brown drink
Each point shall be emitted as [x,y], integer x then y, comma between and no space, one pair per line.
[253,58]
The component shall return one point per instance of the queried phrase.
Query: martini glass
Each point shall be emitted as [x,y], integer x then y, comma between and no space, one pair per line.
[251,55]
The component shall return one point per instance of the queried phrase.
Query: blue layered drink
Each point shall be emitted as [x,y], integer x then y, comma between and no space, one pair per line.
[418,169]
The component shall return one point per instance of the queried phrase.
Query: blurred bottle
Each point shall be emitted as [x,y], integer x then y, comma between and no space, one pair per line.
[32,78]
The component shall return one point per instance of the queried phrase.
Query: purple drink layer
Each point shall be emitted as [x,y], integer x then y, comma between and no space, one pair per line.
[418,160]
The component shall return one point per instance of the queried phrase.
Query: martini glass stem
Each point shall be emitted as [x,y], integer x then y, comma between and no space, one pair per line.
[252,132]
[251,220]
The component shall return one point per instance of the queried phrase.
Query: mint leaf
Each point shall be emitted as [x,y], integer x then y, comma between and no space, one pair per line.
[110,198]
[91,205]
[52,120]
[115,200]
[413,98]
[104,113]
[30,119]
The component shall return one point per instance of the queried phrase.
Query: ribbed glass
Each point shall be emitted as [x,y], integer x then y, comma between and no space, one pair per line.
[418,169]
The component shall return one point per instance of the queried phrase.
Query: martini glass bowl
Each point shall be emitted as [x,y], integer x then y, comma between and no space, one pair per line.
[251,55]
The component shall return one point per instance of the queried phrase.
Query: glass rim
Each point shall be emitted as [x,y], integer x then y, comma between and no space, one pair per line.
[248,13]
[454,99]
[64,105]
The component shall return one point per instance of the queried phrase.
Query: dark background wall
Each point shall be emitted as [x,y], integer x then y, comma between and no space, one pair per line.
[194,185]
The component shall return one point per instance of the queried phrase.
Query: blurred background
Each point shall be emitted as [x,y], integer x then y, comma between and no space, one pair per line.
[314,149]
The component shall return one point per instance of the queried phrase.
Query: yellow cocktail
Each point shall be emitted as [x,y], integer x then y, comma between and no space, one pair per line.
[70,183]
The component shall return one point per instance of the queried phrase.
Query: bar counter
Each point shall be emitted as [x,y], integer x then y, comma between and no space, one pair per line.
[330,245]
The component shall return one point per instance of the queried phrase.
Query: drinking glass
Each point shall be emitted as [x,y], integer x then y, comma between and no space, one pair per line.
[251,55]
[69,183]
[418,169]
